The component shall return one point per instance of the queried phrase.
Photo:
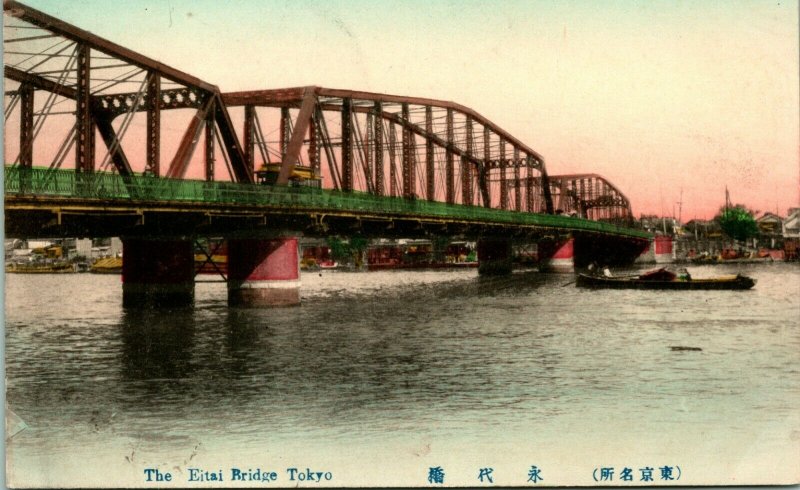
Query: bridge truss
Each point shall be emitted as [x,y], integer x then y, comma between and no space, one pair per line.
[92,87]
[67,89]
[590,196]
[392,146]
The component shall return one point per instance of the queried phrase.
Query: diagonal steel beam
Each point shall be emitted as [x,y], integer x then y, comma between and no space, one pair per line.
[103,124]
[109,136]
[180,163]
[301,124]
[233,148]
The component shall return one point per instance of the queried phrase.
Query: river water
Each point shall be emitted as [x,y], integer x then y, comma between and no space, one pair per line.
[380,376]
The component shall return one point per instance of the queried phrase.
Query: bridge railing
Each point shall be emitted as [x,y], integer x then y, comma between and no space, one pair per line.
[104,186]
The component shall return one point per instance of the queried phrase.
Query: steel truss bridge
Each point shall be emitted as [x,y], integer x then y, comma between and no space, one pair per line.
[101,140]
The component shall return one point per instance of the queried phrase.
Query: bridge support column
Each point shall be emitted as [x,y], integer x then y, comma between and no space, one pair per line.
[659,251]
[664,253]
[263,272]
[494,256]
[557,256]
[157,272]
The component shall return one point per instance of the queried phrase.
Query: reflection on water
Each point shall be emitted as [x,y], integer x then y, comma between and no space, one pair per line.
[156,345]
[389,357]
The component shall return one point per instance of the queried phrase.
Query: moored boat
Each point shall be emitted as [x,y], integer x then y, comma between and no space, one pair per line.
[328,264]
[107,265]
[664,279]
[40,268]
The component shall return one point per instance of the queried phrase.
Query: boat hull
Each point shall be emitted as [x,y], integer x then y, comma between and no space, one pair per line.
[737,283]
[40,269]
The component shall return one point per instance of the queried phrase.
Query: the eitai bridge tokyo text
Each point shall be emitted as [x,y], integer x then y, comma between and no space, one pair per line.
[308,161]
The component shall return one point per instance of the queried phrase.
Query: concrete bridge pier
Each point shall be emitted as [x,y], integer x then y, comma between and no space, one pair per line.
[263,272]
[494,256]
[661,250]
[557,255]
[664,249]
[157,272]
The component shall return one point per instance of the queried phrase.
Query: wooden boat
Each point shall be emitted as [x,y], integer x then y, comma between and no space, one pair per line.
[664,279]
[107,265]
[40,268]
[328,264]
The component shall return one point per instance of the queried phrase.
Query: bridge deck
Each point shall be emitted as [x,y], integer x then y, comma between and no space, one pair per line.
[40,188]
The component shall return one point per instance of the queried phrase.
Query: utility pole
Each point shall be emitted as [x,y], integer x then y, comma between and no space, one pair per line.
[727,199]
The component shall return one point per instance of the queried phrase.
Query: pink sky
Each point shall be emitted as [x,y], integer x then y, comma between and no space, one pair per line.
[663,99]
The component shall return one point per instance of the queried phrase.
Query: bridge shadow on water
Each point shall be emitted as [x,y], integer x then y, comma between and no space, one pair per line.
[520,283]
[157,344]
[336,359]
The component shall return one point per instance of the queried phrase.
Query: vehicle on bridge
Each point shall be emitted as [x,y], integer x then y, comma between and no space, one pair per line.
[301,175]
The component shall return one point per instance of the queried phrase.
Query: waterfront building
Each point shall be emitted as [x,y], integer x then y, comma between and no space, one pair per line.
[770,230]
[791,234]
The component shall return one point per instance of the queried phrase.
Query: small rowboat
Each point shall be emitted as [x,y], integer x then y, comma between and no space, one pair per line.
[664,279]
[328,264]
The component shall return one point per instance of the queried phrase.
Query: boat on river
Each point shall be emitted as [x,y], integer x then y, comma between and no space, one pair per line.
[665,279]
[328,264]
[107,265]
[40,268]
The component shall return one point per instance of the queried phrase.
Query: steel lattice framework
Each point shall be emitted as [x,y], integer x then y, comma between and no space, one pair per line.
[392,146]
[103,86]
[590,196]
[387,145]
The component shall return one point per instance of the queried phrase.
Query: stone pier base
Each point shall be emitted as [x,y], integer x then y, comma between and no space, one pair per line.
[263,272]
[494,256]
[157,272]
